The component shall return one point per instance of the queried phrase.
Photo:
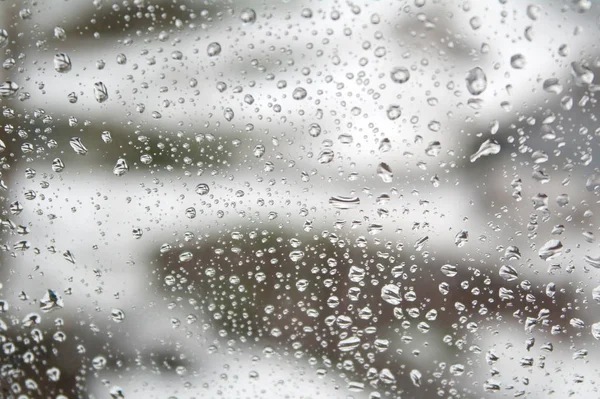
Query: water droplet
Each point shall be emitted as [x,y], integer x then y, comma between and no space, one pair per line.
[488,147]
[551,249]
[433,149]
[186,257]
[248,16]
[517,61]
[475,22]
[449,270]
[213,49]
[67,255]
[393,112]
[415,377]
[326,156]
[461,238]
[390,293]
[202,189]
[100,92]
[299,93]
[58,165]
[51,301]
[596,330]
[592,261]
[99,362]
[349,344]
[476,81]
[121,59]
[314,129]
[106,137]
[117,315]
[121,167]
[8,89]
[533,11]
[3,38]
[341,202]
[60,34]
[296,255]
[62,63]
[552,85]
[508,273]
[385,172]
[78,146]
[117,393]
[228,114]
[400,75]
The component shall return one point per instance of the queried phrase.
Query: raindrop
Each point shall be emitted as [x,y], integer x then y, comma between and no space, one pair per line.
[248,16]
[100,92]
[213,49]
[488,147]
[8,89]
[476,81]
[121,167]
[202,189]
[51,301]
[400,75]
[344,203]
[390,293]
[299,93]
[78,146]
[551,249]
[62,63]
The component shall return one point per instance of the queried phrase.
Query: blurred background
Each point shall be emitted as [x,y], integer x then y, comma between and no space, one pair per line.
[299,199]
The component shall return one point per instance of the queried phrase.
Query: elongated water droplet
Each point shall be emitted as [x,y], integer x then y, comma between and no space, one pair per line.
[385,172]
[8,89]
[228,114]
[3,38]
[592,261]
[78,146]
[415,377]
[51,301]
[349,344]
[341,202]
[508,273]
[551,249]
[67,255]
[488,147]
[449,270]
[596,330]
[326,156]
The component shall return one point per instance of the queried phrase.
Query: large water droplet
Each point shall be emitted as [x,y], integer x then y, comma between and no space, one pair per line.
[488,147]
[62,63]
[476,81]
[100,92]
